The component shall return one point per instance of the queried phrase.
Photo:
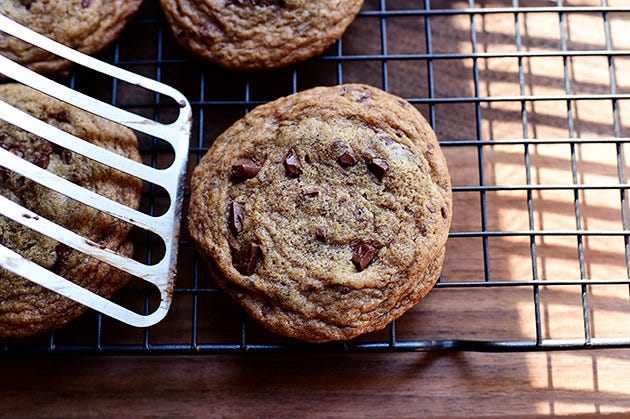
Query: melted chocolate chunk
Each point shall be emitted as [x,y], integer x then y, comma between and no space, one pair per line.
[310,192]
[366,95]
[347,159]
[62,116]
[245,169]
[267,310]
[363,255]
[358,94]
[236,218]
[341,289]
[377,166]
[246,258]
[85,3]
[444,212]
[62,251]
[16,151]
[292,164]
[4,174]
[66,156]
[387,139]
[321,234]
[42,161]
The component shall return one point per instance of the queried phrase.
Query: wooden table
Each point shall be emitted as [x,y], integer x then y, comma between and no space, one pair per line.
[378,385]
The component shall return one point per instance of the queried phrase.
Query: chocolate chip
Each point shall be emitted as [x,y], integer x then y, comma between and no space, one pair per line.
[42,161]
[246,258]
[56,149]
[62,251]
[66,156]
[358,94]
[245,169]
[444,212]
[363,255]
[236,218]
[347,159]
[321,234]
[341,289]
[63,116]
[267,310]
[387,140]
[366,95]
[377,166]
[310,192]
[16,151]
[292,164]
[431,209]
[85,3]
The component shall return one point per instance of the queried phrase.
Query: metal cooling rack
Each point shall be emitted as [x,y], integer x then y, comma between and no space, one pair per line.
[406,47]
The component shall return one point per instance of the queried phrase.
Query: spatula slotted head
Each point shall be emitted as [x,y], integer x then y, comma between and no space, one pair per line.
[170,179]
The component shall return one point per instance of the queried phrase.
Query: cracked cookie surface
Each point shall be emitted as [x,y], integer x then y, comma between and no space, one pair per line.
[85,25]
[259,34]
[27,308]
[324,213]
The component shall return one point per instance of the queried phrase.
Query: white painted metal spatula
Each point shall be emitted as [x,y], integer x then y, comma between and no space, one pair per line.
[166,226]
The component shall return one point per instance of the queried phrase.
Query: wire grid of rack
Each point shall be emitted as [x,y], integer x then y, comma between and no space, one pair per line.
[504,86]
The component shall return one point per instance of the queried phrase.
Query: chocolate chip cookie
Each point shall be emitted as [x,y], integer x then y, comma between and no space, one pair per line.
[324,213]
[259,34]
[27,308]
[86,25]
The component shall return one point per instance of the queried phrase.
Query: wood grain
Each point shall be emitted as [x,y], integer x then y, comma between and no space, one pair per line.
[380,385]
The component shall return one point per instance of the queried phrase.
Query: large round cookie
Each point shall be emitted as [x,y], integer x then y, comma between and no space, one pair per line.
[85,25]
[26,308]
[259,34]
[324,213]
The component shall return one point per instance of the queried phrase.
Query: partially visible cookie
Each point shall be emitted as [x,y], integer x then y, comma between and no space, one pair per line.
[27,308]
[259,34]
[85,25]
[325,213]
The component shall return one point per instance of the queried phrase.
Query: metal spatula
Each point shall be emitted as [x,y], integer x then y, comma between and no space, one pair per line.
[166,226]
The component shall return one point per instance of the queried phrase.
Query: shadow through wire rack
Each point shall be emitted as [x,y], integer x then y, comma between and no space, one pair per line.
[530,101]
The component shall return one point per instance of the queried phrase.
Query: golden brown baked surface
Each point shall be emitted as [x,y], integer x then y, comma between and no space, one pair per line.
[259,34]
[26,308]
[85,25]
[324,213]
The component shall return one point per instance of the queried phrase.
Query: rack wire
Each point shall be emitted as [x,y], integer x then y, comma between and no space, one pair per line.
[530,102]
